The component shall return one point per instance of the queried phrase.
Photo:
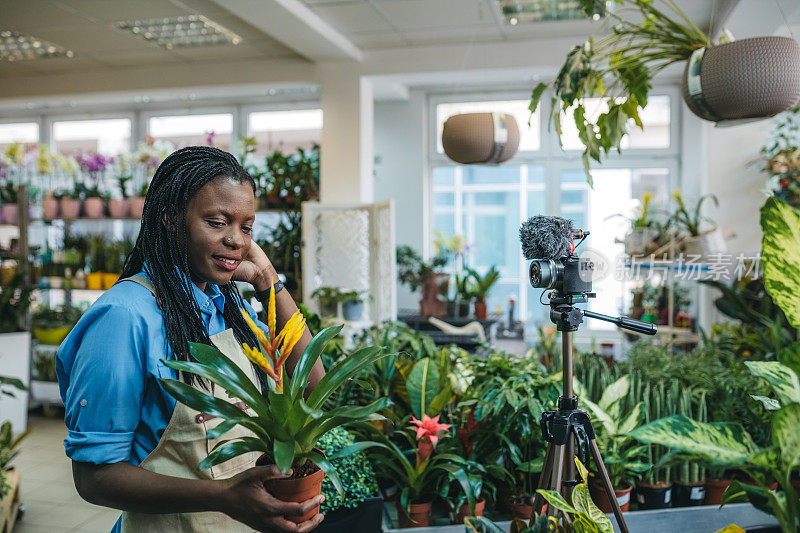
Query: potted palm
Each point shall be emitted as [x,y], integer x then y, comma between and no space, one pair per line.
[286,426]
[640,38]
[480,287]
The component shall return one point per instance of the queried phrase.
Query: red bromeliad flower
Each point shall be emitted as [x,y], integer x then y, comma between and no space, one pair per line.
[429,427]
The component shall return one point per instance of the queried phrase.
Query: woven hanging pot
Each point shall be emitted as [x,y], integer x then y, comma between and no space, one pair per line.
[751,78]
[480,138]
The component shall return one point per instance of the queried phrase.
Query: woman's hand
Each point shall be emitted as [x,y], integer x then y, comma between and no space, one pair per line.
[245,499]
[256,269]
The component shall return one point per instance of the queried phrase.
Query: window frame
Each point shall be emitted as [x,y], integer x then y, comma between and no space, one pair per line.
[555,161]
[49,121]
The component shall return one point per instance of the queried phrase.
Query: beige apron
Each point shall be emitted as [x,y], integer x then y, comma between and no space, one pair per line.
[183,445]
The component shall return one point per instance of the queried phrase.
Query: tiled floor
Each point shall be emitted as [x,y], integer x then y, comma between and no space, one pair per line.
[48,493]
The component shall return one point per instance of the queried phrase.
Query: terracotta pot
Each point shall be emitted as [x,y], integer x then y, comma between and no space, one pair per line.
[94,281]
[688,494]
[93,207]
[49,208]
[119,208]
[109,280]
[137,206]
[656,496]
[430,304]
[70,209]
[296,490]
[463,511]
[418,516]
[521,510]
[600,497]
[480,310]
[10,213]
[714,490]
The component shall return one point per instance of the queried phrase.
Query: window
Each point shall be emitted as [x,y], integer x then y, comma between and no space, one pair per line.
[486,204]
[24,132]
[285,130]
[193,130]
[105,136]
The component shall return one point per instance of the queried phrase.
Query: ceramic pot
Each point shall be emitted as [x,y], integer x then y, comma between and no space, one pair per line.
[601,498]
[93,207]
[352,310]
[49,208]
[432,288]
[714,490]
[418,516]
[705,244]
[137,206]
[70,209]
[119,208]
[51,336]
[297,489]
[10,213]
[658,496]
[463,511]
[521,509]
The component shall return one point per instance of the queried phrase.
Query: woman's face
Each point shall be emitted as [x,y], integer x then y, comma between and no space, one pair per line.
[219,220]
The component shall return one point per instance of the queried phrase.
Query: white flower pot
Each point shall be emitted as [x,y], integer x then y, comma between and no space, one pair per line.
[705,244]
[639,240]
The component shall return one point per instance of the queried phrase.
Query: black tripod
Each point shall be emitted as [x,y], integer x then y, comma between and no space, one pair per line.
[568,430]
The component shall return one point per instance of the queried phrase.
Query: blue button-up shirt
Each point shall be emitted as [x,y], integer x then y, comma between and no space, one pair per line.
[108,369]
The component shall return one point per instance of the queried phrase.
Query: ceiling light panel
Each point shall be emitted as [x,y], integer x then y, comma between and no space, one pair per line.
[189,30]
[524,11]
[17,47]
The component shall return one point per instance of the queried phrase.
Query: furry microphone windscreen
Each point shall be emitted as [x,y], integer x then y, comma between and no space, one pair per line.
[546,237]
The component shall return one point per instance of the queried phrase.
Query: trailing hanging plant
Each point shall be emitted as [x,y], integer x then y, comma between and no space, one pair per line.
[618,68]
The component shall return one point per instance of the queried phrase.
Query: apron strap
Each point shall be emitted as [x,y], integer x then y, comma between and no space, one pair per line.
[146,283]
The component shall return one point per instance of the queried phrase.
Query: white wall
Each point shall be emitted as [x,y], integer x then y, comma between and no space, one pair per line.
[400,171]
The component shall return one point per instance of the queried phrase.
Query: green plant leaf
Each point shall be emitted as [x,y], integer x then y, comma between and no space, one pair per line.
[309,357]
[615,392]
[780,253]
[582,501]
[723,444]
[200,401]
[330,470]
[283,453]
[780,377]
[422,385]
[786,435]
[770,404]
[739,492]
[230,449]
[536,96]
[556,500]
[343,371]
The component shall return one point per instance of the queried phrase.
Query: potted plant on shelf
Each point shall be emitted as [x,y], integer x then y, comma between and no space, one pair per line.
[645,231]
[352,305]
[8,202]
[480,287]
[94,202]
[98,248]
[120,207]
[638,39]
[50,326]
[49,206]
[69,202]
[419,274]
[328,300]
[700,240]
[458,307]
[622,458]
[137,201]
[286,424]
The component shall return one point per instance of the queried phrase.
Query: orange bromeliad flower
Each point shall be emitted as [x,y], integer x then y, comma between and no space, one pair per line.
[274,348]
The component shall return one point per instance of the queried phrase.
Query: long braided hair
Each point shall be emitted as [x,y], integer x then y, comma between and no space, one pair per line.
[161,249]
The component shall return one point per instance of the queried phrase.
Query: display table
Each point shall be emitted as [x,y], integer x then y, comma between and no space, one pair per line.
[467,342]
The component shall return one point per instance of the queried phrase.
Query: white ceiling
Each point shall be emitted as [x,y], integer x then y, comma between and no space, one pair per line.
[87,27]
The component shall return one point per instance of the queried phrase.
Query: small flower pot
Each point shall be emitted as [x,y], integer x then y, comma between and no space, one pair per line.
[49,208]
[657,496]
[463,511]
[297,489]
[109,280]
[714,490]
[94,281]
[119,208]
[10,213]
[51,336]
[93,207]
[639,241]
[521,509]
[353,310]
[418,516]
[70,208]
[328,309]
[600,497]
[137,206]
[688,494]
[705,244]
[480,310]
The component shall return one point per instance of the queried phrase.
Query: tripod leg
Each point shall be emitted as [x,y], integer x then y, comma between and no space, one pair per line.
[558,475]
[569,465]
[544,479]
[598,459]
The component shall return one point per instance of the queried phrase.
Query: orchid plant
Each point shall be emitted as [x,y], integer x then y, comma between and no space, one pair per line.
[286,425]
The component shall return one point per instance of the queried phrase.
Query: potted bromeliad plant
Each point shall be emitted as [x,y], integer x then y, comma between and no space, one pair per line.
[286,425]
[702,236]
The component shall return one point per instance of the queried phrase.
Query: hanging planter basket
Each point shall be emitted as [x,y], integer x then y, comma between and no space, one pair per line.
[488,138]
[747,79]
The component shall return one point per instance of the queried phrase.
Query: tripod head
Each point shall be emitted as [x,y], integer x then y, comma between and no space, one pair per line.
[567,317]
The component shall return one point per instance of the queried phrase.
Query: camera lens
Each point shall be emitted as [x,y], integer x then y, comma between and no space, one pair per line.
[542,273]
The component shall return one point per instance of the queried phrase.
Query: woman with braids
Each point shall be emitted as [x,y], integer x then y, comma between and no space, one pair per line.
[132,446]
